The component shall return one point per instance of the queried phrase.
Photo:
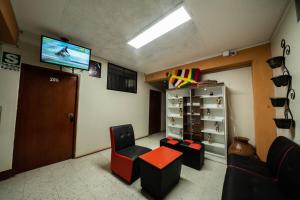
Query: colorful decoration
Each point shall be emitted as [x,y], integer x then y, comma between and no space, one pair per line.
[183,77]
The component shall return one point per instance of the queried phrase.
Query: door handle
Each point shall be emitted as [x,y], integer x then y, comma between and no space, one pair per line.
[71,117]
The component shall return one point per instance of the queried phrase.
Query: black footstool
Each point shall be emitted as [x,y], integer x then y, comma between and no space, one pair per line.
[170,142]
[193,153]
[160,171]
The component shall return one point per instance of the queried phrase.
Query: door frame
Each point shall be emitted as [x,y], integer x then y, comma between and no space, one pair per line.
[18,117]
[149,109]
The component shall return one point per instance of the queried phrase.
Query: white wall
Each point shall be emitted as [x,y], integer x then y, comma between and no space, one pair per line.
[98,108]
[240,101]
[289,29]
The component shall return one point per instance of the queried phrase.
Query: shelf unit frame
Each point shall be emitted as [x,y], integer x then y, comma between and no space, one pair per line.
[193,125]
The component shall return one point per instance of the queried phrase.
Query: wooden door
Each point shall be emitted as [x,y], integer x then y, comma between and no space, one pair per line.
[155,112]
[45,118]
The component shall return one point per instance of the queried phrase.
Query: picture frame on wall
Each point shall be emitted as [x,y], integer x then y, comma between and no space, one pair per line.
[95,69]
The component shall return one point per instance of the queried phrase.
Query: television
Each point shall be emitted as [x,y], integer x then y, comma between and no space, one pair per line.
[62,53]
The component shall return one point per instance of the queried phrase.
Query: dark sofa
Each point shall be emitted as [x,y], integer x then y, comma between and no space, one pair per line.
[277,179]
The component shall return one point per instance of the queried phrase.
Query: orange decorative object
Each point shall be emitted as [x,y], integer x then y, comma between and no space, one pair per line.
[183,77]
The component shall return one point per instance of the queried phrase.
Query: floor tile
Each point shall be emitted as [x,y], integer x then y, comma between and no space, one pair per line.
[90,178]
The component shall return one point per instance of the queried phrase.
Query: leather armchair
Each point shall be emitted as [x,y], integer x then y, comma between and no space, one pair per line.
[124,153]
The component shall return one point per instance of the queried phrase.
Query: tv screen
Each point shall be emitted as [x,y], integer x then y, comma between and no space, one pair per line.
[65,54]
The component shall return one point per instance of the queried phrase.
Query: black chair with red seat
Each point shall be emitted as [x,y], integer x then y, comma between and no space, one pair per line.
[124,153]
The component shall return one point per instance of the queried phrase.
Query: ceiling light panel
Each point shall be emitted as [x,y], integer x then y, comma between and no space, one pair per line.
[166,24]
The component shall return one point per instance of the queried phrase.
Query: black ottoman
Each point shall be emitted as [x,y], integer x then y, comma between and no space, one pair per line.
[193,153]
[170,142]
[160,171]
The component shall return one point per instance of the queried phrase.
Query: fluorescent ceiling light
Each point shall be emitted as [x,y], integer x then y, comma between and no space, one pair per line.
[163,26]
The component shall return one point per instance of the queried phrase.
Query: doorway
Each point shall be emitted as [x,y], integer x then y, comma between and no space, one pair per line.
[155,112]
[46,118]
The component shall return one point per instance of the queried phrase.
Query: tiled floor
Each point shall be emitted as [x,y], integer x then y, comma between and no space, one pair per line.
[89,178]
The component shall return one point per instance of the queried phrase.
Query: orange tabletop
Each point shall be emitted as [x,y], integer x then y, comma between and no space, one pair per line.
[160,157]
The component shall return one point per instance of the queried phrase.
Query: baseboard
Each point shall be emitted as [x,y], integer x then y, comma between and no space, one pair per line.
[6,174]
[87,154]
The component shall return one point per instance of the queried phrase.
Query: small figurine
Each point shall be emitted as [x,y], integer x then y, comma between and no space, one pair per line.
[209,138]
[180,111]
[180,103]
[211,93]
[172,120]
[219,101]
[217,126]
[208,112]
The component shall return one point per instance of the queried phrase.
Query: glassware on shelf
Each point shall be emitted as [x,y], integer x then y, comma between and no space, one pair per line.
[180,111]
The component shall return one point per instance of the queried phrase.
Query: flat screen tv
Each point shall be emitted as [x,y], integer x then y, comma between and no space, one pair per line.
[64,53]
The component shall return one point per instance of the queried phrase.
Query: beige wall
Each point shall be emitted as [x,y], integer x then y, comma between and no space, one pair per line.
[240,101]
[98,107]
[289,29]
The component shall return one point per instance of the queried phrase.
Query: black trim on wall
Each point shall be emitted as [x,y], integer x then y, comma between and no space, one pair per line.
[297,2]
[6,174]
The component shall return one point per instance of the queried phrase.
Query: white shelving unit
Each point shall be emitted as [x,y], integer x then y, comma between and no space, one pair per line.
[174,112]
[213,115]
[205,108]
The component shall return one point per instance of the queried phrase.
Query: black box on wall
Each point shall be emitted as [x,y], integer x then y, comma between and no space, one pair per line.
[297,2]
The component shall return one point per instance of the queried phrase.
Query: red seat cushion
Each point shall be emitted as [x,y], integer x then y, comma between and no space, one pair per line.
[173,142]
[195,146]
[170,138]
[189,141]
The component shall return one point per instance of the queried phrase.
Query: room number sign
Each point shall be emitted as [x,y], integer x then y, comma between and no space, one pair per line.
[11,61]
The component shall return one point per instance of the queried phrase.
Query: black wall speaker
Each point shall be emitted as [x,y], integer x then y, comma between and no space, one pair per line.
[297,2]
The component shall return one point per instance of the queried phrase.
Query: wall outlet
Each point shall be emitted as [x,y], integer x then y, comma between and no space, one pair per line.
[230,52]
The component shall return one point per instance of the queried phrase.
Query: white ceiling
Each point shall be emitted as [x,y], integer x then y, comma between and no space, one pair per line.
[106,26]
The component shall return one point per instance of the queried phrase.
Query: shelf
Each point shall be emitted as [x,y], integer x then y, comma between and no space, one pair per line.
[175,126]
[213,119]
[175,116]
[175,98]
[174,135]
[174,107]
[212,107]
[212,131]
[194,114]
[214,144]
[209,96]
[193,104]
